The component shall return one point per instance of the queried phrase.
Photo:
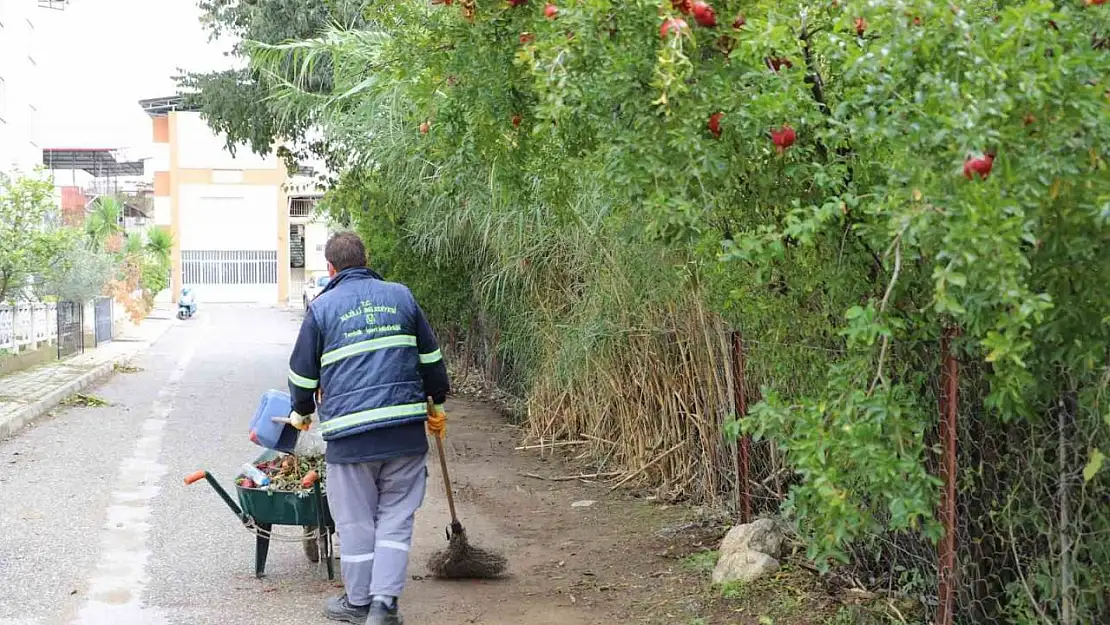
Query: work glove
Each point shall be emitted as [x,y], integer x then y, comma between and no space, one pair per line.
[437,422]
[299,421]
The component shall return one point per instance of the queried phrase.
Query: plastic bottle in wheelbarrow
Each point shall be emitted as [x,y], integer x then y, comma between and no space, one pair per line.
[265,432]
[255,475]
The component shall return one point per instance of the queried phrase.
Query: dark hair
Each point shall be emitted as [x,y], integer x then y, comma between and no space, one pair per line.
[345,250]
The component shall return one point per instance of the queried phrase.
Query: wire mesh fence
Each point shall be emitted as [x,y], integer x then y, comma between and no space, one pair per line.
[1026,538]
[1025,534]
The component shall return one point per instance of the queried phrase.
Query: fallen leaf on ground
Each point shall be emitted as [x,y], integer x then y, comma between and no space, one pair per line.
[81,399]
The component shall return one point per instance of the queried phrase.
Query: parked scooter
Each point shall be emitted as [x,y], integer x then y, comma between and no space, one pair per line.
[186,304]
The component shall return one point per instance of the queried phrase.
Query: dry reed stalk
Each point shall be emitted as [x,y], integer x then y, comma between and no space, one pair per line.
[568,478]
[729,385]
[549,445]
[658,390]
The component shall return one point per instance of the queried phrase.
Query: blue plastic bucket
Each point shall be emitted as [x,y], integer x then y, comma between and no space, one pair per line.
[264,432]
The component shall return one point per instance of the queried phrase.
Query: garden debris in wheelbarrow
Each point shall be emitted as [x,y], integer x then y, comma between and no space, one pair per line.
[287,473]
[292,496]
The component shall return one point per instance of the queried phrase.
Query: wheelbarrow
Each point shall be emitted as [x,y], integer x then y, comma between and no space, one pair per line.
[260,509]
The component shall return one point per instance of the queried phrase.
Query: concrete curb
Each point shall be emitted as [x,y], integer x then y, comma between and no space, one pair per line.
[14,421]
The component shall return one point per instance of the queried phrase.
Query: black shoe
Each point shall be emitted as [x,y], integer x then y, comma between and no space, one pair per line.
[381,615]
[340,609]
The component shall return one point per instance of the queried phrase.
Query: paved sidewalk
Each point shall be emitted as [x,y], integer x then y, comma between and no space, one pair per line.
[29,394]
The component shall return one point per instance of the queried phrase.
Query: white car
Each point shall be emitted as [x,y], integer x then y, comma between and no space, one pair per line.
[313,286]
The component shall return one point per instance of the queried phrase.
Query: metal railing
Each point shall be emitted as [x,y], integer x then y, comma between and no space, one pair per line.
[302,207]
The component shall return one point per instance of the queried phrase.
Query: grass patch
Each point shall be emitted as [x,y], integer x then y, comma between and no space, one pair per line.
[877,614]
[790,596]
[851,615]
[120,367]
[736,591]
[84,400]
[702,561]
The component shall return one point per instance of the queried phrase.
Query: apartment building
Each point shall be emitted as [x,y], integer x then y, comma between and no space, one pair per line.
[20,77]
[244,230]
[18,73]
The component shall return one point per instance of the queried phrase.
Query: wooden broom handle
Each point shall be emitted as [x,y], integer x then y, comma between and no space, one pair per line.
[443,466]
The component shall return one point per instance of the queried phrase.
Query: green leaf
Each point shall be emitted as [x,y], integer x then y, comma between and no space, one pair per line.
[1094,465]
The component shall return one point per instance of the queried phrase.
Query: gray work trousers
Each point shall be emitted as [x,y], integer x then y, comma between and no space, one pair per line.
[374,506]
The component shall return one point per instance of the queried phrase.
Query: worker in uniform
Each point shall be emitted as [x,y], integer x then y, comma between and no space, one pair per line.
[366,345]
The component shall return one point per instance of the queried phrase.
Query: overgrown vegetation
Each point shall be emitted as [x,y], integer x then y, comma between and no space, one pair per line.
[591,199]
[40,258]
[34,249]
[236,102]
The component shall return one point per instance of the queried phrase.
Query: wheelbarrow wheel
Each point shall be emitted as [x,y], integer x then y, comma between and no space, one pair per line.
[311,547]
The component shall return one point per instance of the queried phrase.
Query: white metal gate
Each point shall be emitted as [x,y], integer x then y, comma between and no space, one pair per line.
[231,275]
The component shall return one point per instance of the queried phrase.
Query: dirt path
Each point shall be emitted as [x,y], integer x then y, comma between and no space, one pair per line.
[620,561]
[602,563]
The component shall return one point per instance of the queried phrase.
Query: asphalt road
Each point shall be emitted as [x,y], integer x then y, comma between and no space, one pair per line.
[97,525]
[98,528]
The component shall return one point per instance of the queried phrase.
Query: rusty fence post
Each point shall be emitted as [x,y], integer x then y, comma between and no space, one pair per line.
[946,551]
[743,453]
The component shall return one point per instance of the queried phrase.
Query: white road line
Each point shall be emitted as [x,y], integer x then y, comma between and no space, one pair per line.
[115,590]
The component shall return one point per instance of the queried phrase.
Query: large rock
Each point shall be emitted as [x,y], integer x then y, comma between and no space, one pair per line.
[743,566]
[761,535]
[748,552]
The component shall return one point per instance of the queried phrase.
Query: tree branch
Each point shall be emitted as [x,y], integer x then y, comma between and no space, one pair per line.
[816,83]
[897,245]
[817,88]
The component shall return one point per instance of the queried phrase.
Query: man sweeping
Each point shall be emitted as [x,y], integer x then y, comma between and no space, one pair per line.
[367,346]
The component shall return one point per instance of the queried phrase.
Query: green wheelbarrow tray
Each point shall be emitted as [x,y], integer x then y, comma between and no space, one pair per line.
[260,509]
[276,507]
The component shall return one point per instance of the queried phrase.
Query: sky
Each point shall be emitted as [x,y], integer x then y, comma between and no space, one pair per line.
[98,58]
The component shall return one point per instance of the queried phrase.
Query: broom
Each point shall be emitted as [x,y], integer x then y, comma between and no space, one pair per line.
[460,560]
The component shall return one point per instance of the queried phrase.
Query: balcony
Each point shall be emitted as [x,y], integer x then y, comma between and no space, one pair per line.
[302,207]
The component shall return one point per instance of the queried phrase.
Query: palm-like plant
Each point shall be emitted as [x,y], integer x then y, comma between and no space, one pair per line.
[159,244]
[104,221]
[134,244]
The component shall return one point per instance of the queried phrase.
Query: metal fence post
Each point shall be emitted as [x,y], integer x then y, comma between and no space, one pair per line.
[743,460]
[946,552]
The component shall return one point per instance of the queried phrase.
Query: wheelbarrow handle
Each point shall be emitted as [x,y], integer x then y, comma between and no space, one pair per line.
[196,476]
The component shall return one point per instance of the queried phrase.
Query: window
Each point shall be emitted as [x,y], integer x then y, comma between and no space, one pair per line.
[30,42]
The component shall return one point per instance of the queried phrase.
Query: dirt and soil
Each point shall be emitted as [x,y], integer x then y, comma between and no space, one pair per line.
[622,559]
